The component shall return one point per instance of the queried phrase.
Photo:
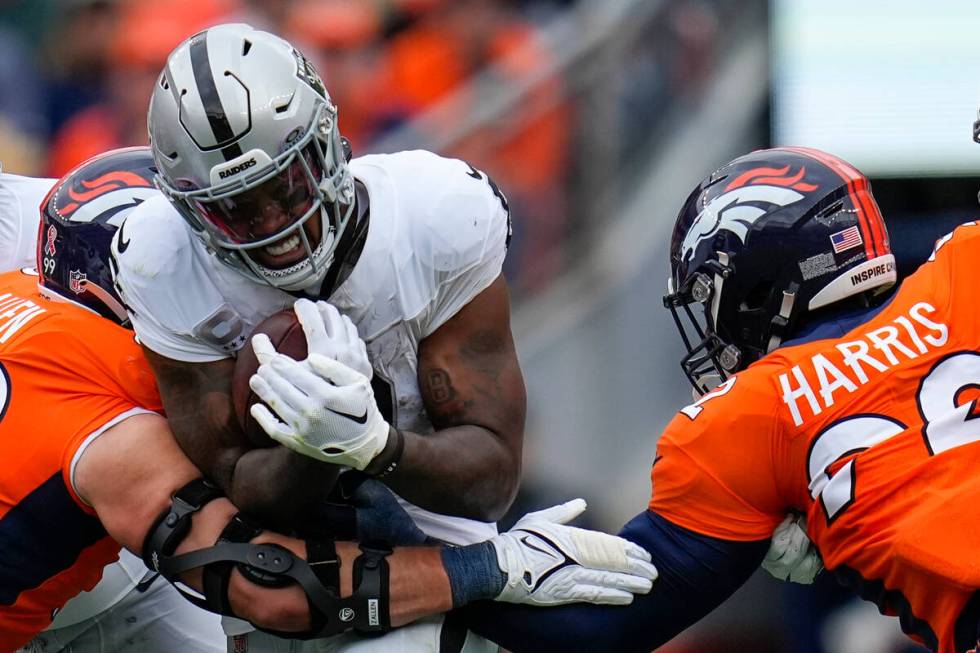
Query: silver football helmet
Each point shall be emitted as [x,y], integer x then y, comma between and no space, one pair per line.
[246,142]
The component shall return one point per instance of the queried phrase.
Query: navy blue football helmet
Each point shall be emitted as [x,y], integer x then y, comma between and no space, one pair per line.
[763,242]
[78,219]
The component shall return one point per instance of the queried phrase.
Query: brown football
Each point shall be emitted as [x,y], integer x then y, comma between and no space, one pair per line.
[287,336]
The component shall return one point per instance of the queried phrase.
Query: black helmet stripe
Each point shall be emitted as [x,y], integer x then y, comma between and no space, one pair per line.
[204,78]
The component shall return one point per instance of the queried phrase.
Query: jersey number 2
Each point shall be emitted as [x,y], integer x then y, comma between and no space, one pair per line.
[947,423]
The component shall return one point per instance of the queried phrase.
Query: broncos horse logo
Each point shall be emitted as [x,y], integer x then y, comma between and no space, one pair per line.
[104,198]
[747,198]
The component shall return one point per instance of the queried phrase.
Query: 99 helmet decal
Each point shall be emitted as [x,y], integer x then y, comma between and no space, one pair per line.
[762,242]
[246,141]
[79,217]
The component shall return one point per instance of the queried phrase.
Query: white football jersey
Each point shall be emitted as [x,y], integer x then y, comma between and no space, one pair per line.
[20,205]
[437,237]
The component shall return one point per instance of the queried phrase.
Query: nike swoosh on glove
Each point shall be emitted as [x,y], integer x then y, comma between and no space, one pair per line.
[320,408]
[791,554]
[549,563]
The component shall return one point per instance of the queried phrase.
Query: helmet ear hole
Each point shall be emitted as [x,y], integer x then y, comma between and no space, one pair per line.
[757,296]
[833,209]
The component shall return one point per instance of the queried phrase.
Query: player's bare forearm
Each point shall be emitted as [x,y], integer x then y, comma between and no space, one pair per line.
[276,484]
[417,583]
[265,482]
[197,400]
[474,395]
[128,475]
[463,471]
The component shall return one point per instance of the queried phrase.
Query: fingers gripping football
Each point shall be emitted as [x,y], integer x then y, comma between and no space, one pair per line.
[549,563]
[320,408]
[328,333]
[331,334]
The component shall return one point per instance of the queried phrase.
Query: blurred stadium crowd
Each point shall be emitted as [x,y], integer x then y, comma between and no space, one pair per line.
[75,77]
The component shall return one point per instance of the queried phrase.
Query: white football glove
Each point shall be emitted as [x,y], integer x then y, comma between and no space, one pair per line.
[323,408]
[548,563]
[791,554]
[328,333]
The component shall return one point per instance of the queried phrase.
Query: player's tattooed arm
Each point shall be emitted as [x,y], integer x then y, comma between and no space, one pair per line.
[270,483]
[473,391]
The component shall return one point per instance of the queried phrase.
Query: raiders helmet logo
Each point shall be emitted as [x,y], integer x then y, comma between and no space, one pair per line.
[307,73]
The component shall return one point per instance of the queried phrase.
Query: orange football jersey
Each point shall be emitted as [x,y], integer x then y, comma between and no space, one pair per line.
[873,435]
[65,374]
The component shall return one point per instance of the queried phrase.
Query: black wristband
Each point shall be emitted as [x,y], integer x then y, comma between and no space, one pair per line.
[386,464]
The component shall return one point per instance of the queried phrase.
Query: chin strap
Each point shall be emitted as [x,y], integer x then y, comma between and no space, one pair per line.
[272,566]
[780,323]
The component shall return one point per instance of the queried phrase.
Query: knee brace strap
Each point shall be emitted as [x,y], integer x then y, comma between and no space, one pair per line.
[366,610]
[371,587]
[171,527]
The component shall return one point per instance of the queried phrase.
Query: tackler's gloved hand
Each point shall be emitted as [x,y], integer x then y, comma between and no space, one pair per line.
[791,554]
[543,561]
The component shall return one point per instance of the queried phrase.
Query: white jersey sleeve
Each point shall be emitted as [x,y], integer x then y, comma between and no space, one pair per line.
[20,204]
[439,235]
[176,309]
[464,242]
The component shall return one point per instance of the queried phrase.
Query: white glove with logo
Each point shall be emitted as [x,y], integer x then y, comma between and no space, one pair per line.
[548,563]
[791,554]
[323,408]
[328,332]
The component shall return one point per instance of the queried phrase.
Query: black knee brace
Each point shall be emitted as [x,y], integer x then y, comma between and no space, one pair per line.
[270,565]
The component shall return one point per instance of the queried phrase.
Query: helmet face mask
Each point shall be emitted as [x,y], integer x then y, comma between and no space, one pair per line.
[710,359]
[761,243]
[79,218]
[272,198]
